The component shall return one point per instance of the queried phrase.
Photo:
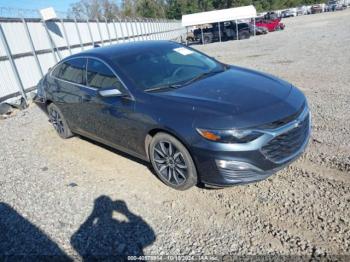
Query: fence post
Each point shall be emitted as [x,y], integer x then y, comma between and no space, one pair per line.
[254,27]
[132,29]
[136,30]
[99,32]
[121,29]
[115,31]
[144,29]
[163,25]
[92,38]
[153,37]
[237,29]
[79,35]
[13,65]
[26,29]
[109,34]
[127,28]
[66,36]
[158,29]
[148,29]
[52,44]
[139,28]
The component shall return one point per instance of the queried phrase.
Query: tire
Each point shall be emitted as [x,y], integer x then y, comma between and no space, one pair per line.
[58,121]
[243,35]
[172,162]
[208,39]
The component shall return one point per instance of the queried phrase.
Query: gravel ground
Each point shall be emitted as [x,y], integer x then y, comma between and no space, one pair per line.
[73,197]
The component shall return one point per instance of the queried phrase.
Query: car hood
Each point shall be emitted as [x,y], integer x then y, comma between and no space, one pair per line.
[238,97]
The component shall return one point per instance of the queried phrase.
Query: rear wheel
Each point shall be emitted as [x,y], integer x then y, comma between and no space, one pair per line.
[172,162]
[244,35]
[58,121]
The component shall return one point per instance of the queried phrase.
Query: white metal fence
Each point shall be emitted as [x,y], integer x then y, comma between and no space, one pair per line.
[29,47]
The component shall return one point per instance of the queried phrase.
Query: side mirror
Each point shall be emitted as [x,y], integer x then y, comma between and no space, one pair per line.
[110,92]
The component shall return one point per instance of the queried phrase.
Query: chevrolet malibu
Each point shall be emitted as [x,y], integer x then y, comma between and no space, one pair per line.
[195,119]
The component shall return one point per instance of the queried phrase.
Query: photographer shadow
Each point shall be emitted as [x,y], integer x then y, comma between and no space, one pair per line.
[112,230]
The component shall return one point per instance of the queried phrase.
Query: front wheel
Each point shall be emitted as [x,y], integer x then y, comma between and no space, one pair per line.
[172,162]
[207,39]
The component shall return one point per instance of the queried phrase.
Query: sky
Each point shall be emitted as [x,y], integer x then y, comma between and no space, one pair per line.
[58,5]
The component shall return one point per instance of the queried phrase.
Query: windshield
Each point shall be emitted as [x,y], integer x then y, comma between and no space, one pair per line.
[166,65]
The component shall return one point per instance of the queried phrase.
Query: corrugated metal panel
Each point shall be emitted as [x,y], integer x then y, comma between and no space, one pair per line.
[65,53]
[8,84]
[94,31]
[76,50]
[39,36]
[16,37]
[2,48]
[72,33]
[28,71]
[111,30]
[121,33]
[84,32]
[104,32]
[46,61]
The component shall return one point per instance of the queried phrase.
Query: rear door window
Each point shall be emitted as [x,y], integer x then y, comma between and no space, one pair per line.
[72,70]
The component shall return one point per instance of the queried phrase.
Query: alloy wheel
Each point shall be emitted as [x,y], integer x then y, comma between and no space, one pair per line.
[56,120]
[170,163]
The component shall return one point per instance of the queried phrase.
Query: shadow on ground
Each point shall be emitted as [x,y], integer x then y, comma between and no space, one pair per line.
[111,230]
[19,237]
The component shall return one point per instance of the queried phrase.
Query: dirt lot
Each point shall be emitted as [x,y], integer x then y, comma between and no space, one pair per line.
[63,190]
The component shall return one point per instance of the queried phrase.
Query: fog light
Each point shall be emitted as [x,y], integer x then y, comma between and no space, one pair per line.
[236,165]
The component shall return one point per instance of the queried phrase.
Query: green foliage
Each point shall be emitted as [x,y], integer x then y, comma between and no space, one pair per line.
[171,9]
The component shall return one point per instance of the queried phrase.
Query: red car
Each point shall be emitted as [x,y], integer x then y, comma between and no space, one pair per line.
[270,25]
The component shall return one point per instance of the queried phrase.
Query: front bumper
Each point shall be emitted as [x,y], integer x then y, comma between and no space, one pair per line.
[222,164]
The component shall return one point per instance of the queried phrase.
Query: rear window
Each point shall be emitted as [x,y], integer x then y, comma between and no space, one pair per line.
[72,70]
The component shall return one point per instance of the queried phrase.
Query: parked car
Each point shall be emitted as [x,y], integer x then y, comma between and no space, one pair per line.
[289,13]
[271,16]
[259,30]
[228,31]
[302,10]
[316,9]
[335,5]
[196,120]
[270,25]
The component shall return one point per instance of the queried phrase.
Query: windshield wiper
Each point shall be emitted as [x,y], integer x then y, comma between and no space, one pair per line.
[201,76]
[161,87]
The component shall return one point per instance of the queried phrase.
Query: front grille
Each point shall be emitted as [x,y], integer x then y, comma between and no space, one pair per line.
[287,144]
[283,121]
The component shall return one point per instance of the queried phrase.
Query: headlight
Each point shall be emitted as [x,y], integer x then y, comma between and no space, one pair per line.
[232,136]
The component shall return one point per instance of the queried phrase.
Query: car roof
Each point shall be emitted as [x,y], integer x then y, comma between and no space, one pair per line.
[124,48]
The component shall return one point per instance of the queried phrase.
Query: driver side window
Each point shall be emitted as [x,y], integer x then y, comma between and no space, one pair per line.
[100,76]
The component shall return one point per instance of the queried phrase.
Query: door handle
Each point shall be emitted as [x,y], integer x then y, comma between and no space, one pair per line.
[85,98]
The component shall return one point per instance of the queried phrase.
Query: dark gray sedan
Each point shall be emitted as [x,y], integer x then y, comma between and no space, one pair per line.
[195,119]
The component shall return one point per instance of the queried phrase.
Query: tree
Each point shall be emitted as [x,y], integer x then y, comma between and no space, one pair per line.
[128,8]
[93,9]
[150,8]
